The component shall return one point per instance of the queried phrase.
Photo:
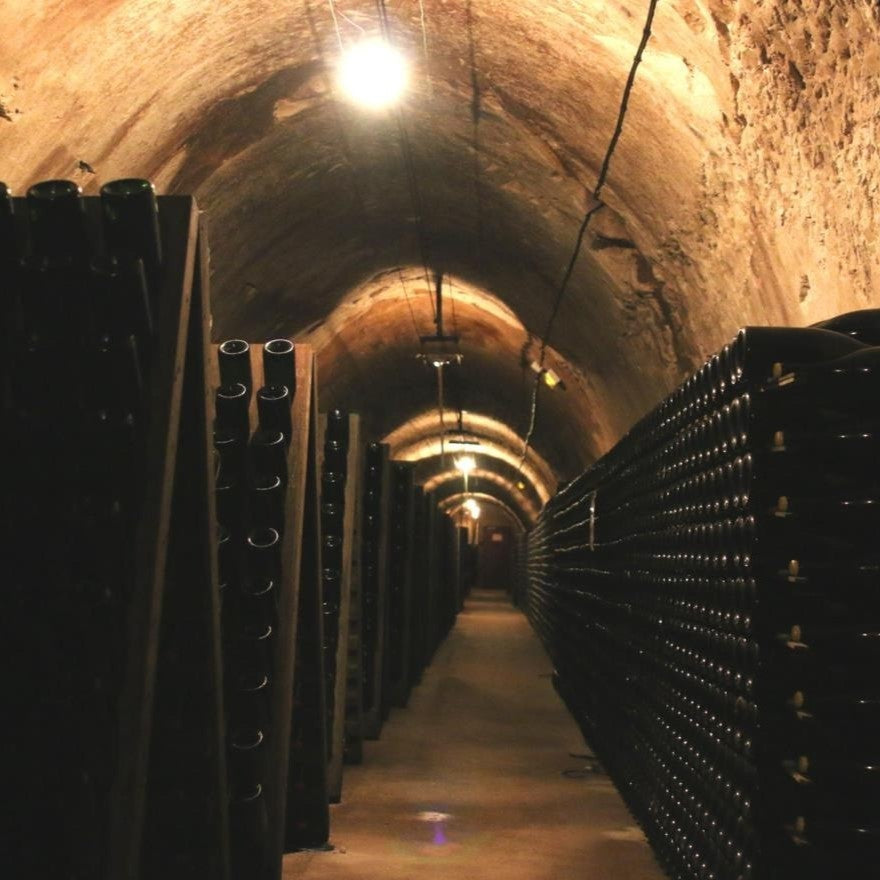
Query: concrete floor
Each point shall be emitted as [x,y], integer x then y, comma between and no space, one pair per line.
[468,783]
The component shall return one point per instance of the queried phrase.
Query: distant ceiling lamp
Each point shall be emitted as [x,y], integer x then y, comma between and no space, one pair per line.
[373,74]
[465,463]
[472,507]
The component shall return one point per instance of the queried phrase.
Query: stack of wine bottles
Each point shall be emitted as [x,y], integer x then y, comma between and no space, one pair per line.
[333,483]
[271,606]
[708,592]
[250,492]
[103,339]
[81,326]
[374,541]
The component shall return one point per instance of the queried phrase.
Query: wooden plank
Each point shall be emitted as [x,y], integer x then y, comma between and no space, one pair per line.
[179,227]
[340,687]
[298,463]
[216,730]
[188,705]
[307,823]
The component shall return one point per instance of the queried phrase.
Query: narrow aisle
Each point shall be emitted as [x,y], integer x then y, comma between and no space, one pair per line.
[468,782]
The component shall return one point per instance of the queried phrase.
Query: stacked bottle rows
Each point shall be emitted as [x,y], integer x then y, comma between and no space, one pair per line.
[333,481]
[79,298]
[710,594]
[250,485]
[372,589]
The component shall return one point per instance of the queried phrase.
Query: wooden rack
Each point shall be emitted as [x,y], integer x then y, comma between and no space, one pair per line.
[378,584]
[294,810]
[349,592]
[171,604]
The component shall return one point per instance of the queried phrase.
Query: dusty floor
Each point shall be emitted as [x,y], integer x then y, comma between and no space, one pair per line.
[468,783]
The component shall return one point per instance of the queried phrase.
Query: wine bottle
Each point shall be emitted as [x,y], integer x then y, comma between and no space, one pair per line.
[337,427]
[231,406]
[863,325]
[273,407]
[130,213]
[246,757]
[249,833]
[8,237]
[234,362]
[120,299]
[269,454]
[267,502]
[57,220]
[54,304]
[264,555]
[279,366]
[335,457]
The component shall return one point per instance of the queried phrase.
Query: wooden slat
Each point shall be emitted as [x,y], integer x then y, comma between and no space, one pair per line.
[216,731]
[298,464]
[179,225]
[307,822]
[188,690]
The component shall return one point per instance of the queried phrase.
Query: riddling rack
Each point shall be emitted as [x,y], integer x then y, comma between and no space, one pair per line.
[708,592]
[111,603]
[374,585]
[270,565]
[340,508]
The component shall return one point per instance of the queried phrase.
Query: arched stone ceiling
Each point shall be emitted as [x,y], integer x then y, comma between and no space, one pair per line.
[497,488]
[483,479]
[370,342]
[422,432]
[493,456]
[454,503]
[744,188]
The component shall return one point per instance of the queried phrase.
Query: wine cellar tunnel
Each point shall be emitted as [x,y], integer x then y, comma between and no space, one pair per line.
[573,206]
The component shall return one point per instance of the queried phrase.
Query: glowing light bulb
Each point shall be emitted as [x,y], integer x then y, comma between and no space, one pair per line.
[473,508]
[373,74]
[466,463]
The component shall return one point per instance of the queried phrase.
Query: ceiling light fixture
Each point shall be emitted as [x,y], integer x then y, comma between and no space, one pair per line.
[465,464]
[373,74]
[472,507]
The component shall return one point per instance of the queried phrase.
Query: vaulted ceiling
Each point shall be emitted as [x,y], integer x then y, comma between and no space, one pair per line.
[743,190]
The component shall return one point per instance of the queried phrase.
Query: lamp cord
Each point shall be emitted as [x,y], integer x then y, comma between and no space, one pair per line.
[596,204]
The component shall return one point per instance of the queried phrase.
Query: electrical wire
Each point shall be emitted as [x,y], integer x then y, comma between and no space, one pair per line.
[412,313]
[597,203]
[336,24]
[428,82]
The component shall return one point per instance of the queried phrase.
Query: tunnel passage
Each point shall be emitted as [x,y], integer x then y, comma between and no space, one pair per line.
[743,190]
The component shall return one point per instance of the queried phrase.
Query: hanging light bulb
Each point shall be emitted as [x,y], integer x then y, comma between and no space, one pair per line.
[373,74]
[472,507]
[465,463]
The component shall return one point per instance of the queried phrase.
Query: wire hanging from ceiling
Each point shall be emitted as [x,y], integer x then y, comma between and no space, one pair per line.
[428,83]
[596,205]
[335,23]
